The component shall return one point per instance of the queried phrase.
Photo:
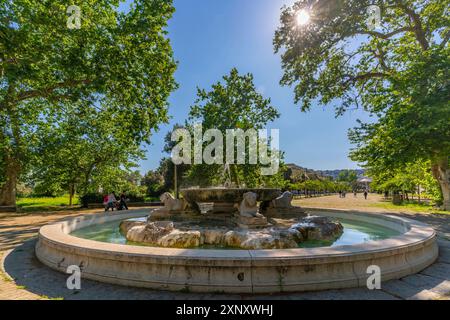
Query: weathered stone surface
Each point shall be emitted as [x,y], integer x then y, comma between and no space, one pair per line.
[126,225]
[282,206]
[172,204]
[248,212]
[283,201]
[213,236]
[292,234]
[231,195]
[234,238]
[319,228]
[268,239]
[180,239]
[256,221]
[254,234]
[249,205]
[149,233]
[287,212]
[283,223]
[200,270]
[172,207]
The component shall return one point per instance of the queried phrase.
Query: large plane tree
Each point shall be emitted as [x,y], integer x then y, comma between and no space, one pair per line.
[396,69]
[119,61]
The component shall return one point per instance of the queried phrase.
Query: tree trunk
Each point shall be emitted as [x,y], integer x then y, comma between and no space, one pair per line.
[8,189]
[12,153]
[71,194]
[235,175]
[441,173]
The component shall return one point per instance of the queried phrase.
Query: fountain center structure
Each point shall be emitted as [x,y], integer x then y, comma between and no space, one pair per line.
[256,218]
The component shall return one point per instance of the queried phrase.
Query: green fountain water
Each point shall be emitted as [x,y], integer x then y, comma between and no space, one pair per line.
[355,232]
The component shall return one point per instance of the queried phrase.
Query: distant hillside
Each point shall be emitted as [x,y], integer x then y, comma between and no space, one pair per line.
[335,173]
[298,173]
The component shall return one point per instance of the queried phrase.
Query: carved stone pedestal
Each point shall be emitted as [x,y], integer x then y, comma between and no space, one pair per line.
[161,214]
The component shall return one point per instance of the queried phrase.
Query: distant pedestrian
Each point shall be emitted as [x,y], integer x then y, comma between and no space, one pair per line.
[123,201]
[105,201]
[365,194]
[340,194]
[355,194]
[111,203]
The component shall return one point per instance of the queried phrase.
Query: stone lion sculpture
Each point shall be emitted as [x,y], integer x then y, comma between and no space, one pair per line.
[283,206]
[283,201]
[172,204]
[249,205]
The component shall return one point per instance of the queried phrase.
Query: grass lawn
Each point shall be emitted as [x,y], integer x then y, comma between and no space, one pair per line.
[410,206]
[46,203]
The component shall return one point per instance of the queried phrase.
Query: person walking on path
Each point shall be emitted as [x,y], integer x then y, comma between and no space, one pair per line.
[365,194]
[123,201]
[105,201]
[111,202]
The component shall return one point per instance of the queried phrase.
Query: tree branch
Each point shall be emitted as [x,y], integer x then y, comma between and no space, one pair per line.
[386,36]
[381,56]
[364,76]
[418,28]
[445,40]
[45,92]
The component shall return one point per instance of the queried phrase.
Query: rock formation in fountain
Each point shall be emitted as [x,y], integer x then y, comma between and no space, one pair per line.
[318,228]
[180,239]
[176,226]
[128,224]
[263,239]
[282,234]
[150,232]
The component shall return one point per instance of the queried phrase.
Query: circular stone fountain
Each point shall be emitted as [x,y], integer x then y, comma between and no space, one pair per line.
[205,262]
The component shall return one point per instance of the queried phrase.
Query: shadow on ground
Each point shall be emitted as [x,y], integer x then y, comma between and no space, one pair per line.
[439,222]
[22,265]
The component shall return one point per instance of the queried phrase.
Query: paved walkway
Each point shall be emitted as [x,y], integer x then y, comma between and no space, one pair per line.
[440,222]
[22,276]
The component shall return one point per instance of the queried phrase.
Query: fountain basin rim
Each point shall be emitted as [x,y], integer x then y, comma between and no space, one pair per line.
[203,270]
[417,233]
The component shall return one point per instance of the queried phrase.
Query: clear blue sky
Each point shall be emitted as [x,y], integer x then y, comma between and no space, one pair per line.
[209,37]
